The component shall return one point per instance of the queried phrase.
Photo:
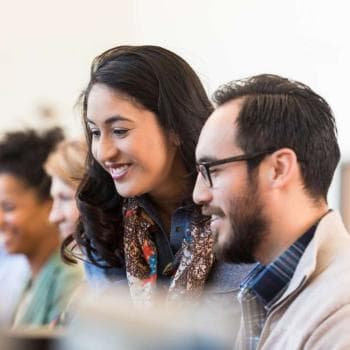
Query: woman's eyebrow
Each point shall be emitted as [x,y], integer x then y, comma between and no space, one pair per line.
[111,120]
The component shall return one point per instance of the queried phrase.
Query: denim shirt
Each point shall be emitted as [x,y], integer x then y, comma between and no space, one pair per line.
[218,304]
[223,277]
[166,246]
[223,281]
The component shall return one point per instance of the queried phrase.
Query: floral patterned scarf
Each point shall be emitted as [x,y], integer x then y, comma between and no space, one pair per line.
[188,271]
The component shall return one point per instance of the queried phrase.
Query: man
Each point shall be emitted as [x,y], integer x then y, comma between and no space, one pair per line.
[266,158]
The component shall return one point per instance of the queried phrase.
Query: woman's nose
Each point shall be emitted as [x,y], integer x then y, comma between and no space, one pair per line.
[106,150]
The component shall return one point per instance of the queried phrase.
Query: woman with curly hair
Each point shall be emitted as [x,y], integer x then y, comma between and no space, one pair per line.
[25,205]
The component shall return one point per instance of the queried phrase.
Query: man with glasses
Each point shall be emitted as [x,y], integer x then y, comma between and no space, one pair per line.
[265,160]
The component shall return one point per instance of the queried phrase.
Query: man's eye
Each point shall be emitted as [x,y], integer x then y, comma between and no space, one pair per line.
[215,172]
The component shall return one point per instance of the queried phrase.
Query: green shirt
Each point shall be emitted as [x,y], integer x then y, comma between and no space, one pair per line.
[48,295]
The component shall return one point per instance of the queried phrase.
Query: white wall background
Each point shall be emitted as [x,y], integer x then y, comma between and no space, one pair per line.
[46,48]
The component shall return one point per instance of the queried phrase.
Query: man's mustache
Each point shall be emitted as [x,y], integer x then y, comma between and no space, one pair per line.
[209,211]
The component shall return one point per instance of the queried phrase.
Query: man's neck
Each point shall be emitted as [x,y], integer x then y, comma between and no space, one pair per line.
[286,228]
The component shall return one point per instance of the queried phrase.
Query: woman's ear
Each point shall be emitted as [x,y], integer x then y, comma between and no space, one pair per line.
[174,139]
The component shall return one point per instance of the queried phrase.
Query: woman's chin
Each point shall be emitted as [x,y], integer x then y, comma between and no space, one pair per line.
[127,192]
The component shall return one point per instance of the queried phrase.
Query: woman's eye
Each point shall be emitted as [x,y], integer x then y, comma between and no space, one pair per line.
[65,197]
[120,132]
[8,207]
[95,132]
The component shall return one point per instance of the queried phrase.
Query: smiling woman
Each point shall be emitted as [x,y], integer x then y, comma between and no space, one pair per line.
[19,205]
[143,110]
[124,135]
[25,205]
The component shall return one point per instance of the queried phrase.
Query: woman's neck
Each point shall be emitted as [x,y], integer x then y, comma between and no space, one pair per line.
[171,194]
[39,258]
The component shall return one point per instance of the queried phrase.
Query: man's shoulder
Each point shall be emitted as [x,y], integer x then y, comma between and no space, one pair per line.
[302,318]
[317,297]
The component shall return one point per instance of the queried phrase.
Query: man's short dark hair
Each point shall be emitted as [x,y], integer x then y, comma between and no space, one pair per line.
[278,112]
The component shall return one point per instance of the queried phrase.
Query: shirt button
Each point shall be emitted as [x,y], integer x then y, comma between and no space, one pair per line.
[178,229]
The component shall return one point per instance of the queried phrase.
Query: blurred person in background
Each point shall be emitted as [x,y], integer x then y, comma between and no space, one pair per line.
[66,166]
[25,205]
[143,110]
[14,271]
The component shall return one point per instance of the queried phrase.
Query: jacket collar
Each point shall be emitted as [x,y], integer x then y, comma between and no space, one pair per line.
[329,233]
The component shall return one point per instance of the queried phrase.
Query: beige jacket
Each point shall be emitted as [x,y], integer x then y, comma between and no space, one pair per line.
[314,312]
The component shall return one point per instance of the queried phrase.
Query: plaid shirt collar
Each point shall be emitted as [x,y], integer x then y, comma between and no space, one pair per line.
[268,283]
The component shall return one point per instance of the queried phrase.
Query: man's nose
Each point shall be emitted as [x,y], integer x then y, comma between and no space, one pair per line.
[201,192]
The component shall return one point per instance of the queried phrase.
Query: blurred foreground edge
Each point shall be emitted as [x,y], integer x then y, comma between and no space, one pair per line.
[29,339]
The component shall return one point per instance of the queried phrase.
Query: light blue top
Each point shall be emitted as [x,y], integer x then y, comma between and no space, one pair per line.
[14,272]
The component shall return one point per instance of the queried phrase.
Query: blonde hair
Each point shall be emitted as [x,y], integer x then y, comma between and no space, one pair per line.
[67,162]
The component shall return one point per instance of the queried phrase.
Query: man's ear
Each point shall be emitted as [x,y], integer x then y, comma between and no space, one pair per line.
[282,166]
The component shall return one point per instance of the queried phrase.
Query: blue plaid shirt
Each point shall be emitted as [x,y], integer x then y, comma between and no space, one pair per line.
[264,286]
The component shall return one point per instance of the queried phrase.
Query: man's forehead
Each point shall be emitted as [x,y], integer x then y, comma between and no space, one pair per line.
[219,130]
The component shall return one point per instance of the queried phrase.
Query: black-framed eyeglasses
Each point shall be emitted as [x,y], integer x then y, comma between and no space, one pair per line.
[204,168]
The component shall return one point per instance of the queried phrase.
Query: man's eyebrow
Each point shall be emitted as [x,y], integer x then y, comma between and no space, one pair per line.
[205,159]
[111,120]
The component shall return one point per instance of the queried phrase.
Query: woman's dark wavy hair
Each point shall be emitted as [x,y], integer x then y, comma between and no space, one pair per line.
[23,154]
[163,83]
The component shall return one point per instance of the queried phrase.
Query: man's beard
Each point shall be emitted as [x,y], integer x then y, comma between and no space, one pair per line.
[248,227]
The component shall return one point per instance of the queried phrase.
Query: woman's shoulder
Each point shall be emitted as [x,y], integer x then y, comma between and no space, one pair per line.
[226,277]
[61,272]
[96,275]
